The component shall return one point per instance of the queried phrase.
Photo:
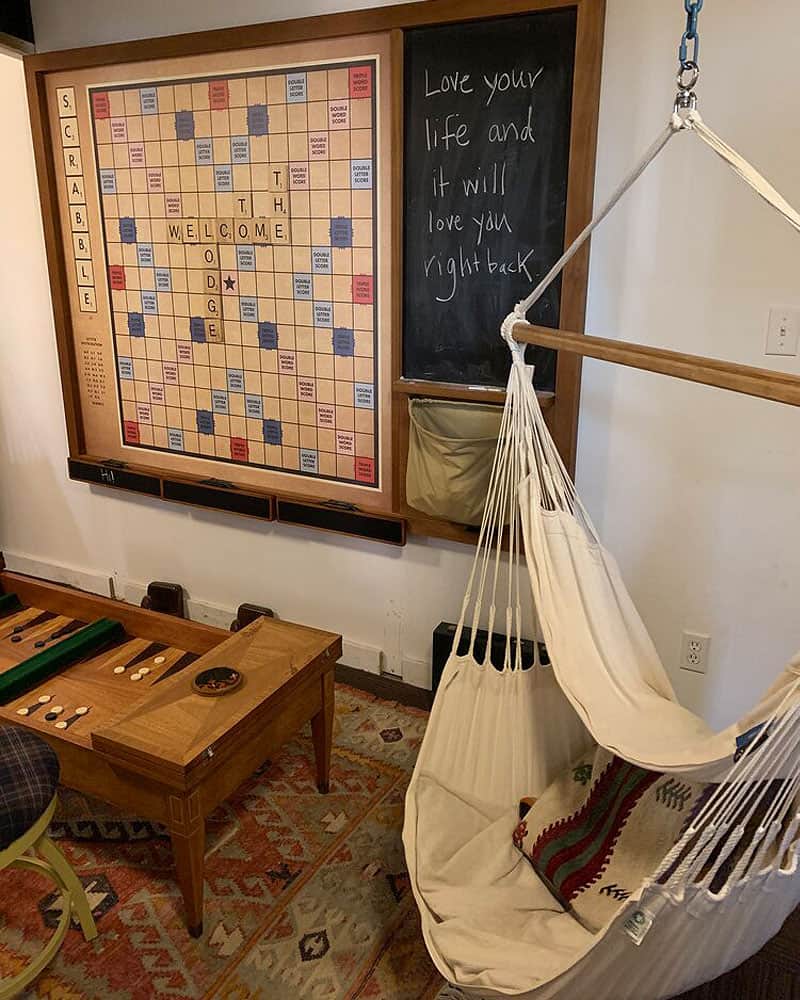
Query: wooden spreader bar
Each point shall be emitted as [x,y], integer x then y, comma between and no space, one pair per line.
[782,387]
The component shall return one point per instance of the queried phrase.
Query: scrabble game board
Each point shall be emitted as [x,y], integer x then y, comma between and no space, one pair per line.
[225,234]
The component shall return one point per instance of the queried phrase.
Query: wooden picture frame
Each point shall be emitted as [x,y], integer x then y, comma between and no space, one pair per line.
[561,406]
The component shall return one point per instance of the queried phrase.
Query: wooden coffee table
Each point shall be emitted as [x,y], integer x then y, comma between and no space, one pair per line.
[154,747]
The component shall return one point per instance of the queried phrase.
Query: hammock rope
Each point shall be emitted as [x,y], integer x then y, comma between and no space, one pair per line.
[692,121]
[496,735]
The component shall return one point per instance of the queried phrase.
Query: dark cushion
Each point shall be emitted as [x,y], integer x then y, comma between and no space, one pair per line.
[28,779]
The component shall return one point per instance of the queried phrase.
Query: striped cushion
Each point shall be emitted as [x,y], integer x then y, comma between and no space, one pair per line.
[28,779]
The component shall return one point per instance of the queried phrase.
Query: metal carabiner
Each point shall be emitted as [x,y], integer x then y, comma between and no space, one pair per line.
[690,67]
[686,98]
[683,51]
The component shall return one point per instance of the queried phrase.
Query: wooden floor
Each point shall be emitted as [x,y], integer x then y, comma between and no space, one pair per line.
[772,974]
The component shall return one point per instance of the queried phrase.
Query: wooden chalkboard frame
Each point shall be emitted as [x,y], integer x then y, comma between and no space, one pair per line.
[561,406]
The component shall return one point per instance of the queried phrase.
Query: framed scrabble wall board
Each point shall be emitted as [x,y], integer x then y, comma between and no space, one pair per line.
[221,220]
[230,217]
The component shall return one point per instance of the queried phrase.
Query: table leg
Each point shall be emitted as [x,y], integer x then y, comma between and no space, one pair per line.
[322,731]
[188,835]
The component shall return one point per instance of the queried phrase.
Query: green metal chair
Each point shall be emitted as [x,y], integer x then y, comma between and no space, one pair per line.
[28,779]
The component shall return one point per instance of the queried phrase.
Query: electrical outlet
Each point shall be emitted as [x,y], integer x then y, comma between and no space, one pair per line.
[694,652]
[783,332]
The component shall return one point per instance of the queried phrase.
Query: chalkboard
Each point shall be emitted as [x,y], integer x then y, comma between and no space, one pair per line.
[487,130]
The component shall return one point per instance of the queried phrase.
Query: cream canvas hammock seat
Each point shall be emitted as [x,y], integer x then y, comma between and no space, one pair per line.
[495,736]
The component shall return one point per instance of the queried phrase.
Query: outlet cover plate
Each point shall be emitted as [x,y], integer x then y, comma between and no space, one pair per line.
[694,652]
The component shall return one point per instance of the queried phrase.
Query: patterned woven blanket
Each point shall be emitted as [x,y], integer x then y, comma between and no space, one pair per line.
[601,829]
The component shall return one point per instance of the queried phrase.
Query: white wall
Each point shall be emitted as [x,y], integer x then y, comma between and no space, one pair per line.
[695,490]
[62,25]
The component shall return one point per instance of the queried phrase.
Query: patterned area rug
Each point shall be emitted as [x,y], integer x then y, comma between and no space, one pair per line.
[306,895]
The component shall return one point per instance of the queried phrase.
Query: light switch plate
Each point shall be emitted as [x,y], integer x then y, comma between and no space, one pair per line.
[783,332]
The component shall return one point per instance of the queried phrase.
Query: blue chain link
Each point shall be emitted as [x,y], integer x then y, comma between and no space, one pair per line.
[691,34]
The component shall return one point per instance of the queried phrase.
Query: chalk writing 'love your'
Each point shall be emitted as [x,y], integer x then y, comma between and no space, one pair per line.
[461,83]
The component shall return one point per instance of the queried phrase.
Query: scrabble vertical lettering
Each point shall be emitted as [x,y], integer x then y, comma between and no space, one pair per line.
[76,198]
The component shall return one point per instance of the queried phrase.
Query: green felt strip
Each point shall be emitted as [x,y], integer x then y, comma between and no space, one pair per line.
[21,678]
[8,603]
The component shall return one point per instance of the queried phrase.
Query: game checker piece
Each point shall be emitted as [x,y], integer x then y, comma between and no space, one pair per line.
[159,749]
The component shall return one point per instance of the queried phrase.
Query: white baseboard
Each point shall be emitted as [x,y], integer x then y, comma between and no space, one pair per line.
[199,611]
[210,614]
[361,656]
[417,672]
[95,583]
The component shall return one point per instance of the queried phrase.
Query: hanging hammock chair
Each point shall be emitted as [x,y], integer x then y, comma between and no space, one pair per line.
[495,736]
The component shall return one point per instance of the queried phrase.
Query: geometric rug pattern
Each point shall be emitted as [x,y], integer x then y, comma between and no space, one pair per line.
[306,895]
